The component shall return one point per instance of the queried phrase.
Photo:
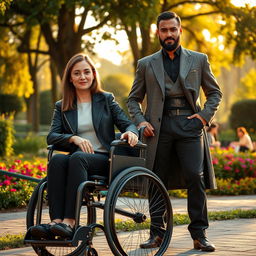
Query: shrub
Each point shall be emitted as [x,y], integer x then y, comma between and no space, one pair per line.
[243,114]
[29,144]
[6,136]
[10,104]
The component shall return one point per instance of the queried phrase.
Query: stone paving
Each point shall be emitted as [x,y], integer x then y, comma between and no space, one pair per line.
[231,237]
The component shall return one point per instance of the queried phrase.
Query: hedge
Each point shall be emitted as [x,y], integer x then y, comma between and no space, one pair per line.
[243,114]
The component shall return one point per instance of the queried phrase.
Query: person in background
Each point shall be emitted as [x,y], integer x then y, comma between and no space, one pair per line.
[83,124]
[212,134]
[245,143]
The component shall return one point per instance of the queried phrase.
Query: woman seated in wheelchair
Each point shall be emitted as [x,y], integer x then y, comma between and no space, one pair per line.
[83,124]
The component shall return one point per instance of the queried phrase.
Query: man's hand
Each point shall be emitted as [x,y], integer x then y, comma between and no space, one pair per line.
[131,138]
[84,144]
[199,117]
[149,130]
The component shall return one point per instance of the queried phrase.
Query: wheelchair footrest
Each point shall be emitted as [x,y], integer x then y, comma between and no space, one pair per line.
[83,233]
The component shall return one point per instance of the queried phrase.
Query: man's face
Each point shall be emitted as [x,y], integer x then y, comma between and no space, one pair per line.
[169,32]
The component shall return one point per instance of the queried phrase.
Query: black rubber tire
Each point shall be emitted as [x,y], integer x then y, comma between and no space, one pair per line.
[90,251]
[143,180]
[57,251]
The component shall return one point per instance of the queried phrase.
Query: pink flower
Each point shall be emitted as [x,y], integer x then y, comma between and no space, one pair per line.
[18,161]
[227,168]
[7,182]
[13,189]
[215,161]
[241,160]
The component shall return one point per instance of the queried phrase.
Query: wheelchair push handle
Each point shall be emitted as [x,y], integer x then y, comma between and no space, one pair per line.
[124,143]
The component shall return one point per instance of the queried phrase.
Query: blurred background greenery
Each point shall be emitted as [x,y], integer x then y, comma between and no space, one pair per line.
[37,37]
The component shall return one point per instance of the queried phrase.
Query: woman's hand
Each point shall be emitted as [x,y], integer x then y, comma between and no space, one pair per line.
[131,138]
[84,144]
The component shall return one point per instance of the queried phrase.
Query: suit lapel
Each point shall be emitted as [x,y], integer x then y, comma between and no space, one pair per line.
[97,109]
[185,63]
[158,68]
[71,119]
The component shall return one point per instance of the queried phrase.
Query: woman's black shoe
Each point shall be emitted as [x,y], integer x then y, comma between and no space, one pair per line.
[41,231]
[63,230]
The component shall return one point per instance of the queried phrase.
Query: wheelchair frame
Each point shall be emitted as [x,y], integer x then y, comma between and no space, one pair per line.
[118,183]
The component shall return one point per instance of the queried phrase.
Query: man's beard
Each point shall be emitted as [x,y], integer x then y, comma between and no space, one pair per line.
[170,47]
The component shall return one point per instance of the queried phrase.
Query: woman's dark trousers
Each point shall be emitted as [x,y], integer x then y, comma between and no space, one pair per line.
[65,174]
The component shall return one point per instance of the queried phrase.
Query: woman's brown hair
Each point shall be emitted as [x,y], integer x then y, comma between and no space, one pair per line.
[69,92]
[242,129]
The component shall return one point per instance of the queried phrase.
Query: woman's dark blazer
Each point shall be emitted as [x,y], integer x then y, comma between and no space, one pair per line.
[106,114]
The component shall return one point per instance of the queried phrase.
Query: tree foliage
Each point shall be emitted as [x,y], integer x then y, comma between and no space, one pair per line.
[62,23]
[138,19]
[4,4]
[241,30]
[247,86]
[14,73]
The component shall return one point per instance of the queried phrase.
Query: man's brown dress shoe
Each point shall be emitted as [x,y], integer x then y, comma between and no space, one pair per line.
[152,242]
[204,244]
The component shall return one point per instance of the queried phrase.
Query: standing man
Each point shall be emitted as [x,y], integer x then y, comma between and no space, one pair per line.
[178,150]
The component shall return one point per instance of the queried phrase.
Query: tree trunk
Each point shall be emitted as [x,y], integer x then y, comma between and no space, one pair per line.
[35,103]
[55,94]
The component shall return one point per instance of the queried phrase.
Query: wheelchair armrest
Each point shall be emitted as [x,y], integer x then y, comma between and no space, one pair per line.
[124,143]
[51,149]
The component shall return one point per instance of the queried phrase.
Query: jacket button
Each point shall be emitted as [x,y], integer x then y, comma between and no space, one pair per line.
[159,119]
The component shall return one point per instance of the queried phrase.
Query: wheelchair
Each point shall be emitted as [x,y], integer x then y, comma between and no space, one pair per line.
[124,197]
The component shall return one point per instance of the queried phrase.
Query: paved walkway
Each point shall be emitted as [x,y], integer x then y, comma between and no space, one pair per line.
[231,237]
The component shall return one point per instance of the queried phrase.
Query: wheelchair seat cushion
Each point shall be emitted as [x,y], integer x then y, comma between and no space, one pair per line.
[98,177]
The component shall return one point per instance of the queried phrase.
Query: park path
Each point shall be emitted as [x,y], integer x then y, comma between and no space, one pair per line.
[231,237]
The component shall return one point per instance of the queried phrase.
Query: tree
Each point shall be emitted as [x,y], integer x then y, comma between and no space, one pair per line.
[63,36]
[139,16]
[247,86]
[62,24]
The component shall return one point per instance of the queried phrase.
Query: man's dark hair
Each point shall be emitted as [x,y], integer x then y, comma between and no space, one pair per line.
[168,16]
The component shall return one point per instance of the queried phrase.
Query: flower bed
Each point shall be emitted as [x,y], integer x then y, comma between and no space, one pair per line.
[15,192]
[235,172]
[235,175]
[230,165]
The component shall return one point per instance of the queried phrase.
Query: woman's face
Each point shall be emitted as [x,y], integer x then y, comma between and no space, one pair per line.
[82,76]
[240,134]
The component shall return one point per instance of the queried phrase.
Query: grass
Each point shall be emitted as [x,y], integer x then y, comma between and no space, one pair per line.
[181,219]
[16,241]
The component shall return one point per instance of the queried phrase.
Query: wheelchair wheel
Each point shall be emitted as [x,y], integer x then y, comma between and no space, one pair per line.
[138,203]
[88,212]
